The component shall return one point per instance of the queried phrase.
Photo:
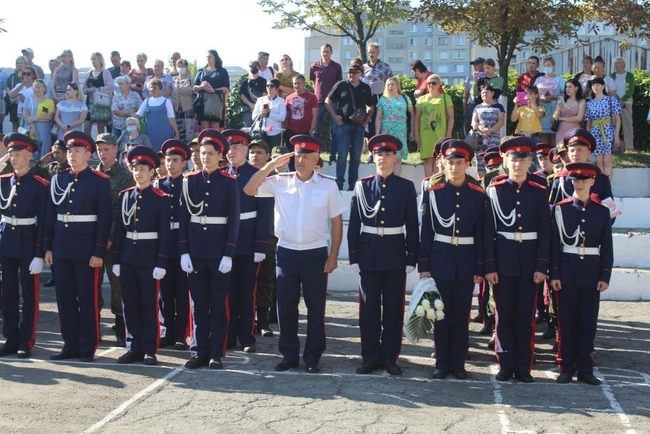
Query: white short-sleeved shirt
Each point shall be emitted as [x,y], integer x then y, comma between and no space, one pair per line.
[303,209]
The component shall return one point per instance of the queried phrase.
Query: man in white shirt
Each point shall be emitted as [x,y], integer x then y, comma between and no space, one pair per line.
[265,70]
[305,203]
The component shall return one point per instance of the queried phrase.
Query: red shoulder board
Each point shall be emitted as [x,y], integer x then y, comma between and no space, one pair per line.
[101,174]
[226,174]
[595,198]
[7,175]
[562,173]
[498,180]
[159,192]
[192,173]
[368,177]
[437,186]
[475,187]
[42,180]
[565,201]
[127,189]
[536,184]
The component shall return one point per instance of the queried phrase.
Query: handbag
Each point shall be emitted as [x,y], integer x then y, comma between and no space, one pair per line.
[213,105]
[197,104]
[359,116]
[55,130]
[101,99]
[257,131]
[474,139]
[555,125]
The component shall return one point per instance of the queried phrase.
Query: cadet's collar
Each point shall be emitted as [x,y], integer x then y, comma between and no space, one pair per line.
[380,178]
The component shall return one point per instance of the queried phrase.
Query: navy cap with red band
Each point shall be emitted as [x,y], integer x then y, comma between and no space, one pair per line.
[579,136]
[304,143]
[237,136]
[384,142]
[143,155]
[176,147]
[210,136]
[18,142]
[518,147]
[456,149]
[79,139]
[582,170]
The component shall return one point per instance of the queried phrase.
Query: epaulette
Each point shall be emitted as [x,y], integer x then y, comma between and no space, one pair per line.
[42,180]
[366,177]
[565,201]
[327,176]
[500,177]
[7,175]
[536,184]
[437,186]
[472,180]
[100,174]
[562,173]
[227,174]
[498,180]
[191,173]
[595,198]
[475,187]
[159,192]
[127,189]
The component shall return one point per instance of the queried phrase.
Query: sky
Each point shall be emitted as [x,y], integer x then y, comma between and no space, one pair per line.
[236,29]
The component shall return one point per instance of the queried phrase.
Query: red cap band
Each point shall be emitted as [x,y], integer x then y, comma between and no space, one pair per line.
[456,150]
[579,141]
[139,159]
[308,146]
[80,141]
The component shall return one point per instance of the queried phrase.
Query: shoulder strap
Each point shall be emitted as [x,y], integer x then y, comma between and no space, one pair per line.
[354,104]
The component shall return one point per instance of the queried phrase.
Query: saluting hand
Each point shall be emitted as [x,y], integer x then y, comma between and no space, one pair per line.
[280,160]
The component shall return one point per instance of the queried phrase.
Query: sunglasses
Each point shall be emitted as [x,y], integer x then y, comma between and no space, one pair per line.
[432,83]
[27,74]
[270,85]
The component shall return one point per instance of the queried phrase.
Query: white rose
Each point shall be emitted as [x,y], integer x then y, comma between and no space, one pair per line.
[438,304]
[425,304]
[440,315]
[431,314]
[419,311]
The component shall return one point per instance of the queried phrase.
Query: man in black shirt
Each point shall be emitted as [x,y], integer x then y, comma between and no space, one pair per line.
[250,90]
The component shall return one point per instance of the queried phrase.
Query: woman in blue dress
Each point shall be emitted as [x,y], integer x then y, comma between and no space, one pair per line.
[603,116]
[158,113]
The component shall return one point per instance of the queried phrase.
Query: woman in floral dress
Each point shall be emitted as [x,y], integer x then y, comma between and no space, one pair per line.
[392,118]
[603,116]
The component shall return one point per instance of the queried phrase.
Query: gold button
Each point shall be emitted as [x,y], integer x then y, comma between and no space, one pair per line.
[584,209]
[383,209]
[68,213]
[457,231]
[18,183]
[583,220]
[457,219]
[382,222]
[582,257]
[15,205]
[518,215]
[172,185]
[206,205]
[139,196]
[457,205]
[458,193]
[517,191]
[138,208]
[13,228]
[208,181]
[205,229]
[521,228]
[72,189]
[15,194]
[134,242]
[75,180]
[70,201]
[137,220]
[383,197]
[518,203]
[171,195]
[207,193]
[66,225]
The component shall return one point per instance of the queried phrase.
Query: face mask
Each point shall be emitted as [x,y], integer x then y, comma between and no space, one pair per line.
[131,128]
[255,70]
[547,70]
[182,70]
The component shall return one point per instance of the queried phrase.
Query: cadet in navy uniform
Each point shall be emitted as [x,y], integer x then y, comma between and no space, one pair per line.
[383,206]
[254,225]
[582,257]
[140,249]
[23,200]
[451,251]
[207,241]
[77,227]
[305,203]
[174,289]
[580,144]
[517,230]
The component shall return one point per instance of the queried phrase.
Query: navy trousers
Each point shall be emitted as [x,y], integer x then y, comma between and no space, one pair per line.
[140,303]
[175,296]
[451,335]
[578,317]
[515,300]
[209,306]
[15,276]
[298,269]
[77,294]
[381,336]
[242,299]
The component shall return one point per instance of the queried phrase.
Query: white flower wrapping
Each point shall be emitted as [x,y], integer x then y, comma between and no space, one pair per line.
[425,308]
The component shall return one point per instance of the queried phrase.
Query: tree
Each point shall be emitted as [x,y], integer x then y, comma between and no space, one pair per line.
[506,24]
[356,19]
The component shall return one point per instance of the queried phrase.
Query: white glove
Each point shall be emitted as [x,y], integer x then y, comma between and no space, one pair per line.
[116,269]
[355,268]
[36,265]
[226,264]
[3,164]
[186,263]
[410,268]
[259,257]
[159,273]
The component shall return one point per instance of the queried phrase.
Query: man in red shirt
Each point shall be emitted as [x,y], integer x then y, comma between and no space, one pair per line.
[528,78]
[302,112]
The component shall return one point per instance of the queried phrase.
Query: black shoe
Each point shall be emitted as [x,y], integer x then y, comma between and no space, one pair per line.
[285,365]
[550,332]
[215,363]
[181,346]
[87,359]
[196,362]
[313,369]
[524,377]
[460,374]
[266,332]
[504,375]
[590,379]
[7,350]
[439,374]
[49,283]
[478,319]
[130,357]
[564,378]
[393,369]
[490,344]
[63,356]
[150,359]
[487,329]
[24,352]
[368,367]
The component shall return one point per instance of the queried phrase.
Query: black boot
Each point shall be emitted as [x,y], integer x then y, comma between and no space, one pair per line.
[120,331]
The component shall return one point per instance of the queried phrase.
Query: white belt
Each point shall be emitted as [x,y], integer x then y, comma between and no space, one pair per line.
[518,236]
[582,251]
[173,226]
[15,221]
[454,241]
[205,220]
[69,218]
[381,231]
[135,236]
[248,215]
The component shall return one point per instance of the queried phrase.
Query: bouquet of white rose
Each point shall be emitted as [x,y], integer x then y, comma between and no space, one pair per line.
[425,308]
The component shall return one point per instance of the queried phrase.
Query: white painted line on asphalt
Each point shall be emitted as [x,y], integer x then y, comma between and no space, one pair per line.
[498,400]
[106,352]
[140,395]
[613,402]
